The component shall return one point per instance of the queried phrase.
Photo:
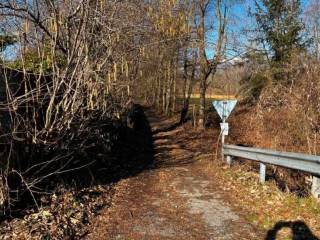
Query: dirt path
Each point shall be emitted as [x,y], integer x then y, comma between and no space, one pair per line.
[172,200]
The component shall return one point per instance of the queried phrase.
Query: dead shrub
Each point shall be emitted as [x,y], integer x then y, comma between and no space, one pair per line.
[291,113]
[286,117]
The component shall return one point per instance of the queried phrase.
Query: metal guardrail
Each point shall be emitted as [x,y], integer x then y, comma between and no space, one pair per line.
[296,161]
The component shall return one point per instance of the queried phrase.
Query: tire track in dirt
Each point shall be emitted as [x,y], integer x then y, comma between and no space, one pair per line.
[171,200]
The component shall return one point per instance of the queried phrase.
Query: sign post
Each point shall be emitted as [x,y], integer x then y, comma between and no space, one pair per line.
[224,109]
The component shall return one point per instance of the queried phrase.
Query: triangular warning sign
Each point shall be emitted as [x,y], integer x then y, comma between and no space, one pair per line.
[224,108]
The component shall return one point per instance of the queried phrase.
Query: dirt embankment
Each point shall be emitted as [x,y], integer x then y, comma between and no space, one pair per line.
[284,115]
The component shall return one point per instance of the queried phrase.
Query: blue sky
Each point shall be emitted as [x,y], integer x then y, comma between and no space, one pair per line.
[10,53]
[242,8]
[240,22]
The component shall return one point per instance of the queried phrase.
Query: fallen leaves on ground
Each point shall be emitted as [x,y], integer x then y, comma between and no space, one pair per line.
[65,216]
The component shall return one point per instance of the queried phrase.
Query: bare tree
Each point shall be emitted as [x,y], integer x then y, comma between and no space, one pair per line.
[209,64]
[312,16]
[92,51]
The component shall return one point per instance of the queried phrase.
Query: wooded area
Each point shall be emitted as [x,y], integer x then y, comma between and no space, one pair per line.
[79,67]
[85,61]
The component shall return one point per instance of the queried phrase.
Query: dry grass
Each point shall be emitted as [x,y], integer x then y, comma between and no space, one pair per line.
[286,118]
[287,114]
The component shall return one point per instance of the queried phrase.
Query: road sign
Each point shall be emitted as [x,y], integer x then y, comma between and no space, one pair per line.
[224,128]
[224,108]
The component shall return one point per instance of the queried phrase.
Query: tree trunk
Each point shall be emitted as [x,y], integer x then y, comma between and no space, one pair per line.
[174,92]
[202,105]
[158,101]
[164,93]
[169,90]
[203,70]
[187,94]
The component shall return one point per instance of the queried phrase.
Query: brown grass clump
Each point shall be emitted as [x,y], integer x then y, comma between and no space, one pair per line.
[291,114]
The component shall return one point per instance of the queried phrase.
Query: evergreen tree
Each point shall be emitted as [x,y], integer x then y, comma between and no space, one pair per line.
[5,41]
[280,27]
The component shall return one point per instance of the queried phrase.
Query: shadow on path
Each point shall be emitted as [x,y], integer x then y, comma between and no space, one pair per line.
[167,128]
[300,231]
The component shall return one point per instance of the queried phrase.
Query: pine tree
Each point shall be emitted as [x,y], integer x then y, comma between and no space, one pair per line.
[280,27]
[6,41]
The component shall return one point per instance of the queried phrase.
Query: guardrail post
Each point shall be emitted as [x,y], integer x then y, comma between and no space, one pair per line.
[222,145]
[315,187]
[229,160]
[263,169]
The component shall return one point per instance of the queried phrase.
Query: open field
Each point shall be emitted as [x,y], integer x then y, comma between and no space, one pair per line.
[214,96]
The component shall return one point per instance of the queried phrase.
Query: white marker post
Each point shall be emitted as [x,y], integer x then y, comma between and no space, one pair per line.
[224,109]
[316,187]
[224,132]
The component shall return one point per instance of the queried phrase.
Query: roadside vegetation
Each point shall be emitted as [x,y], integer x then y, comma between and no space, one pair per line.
[280,95]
